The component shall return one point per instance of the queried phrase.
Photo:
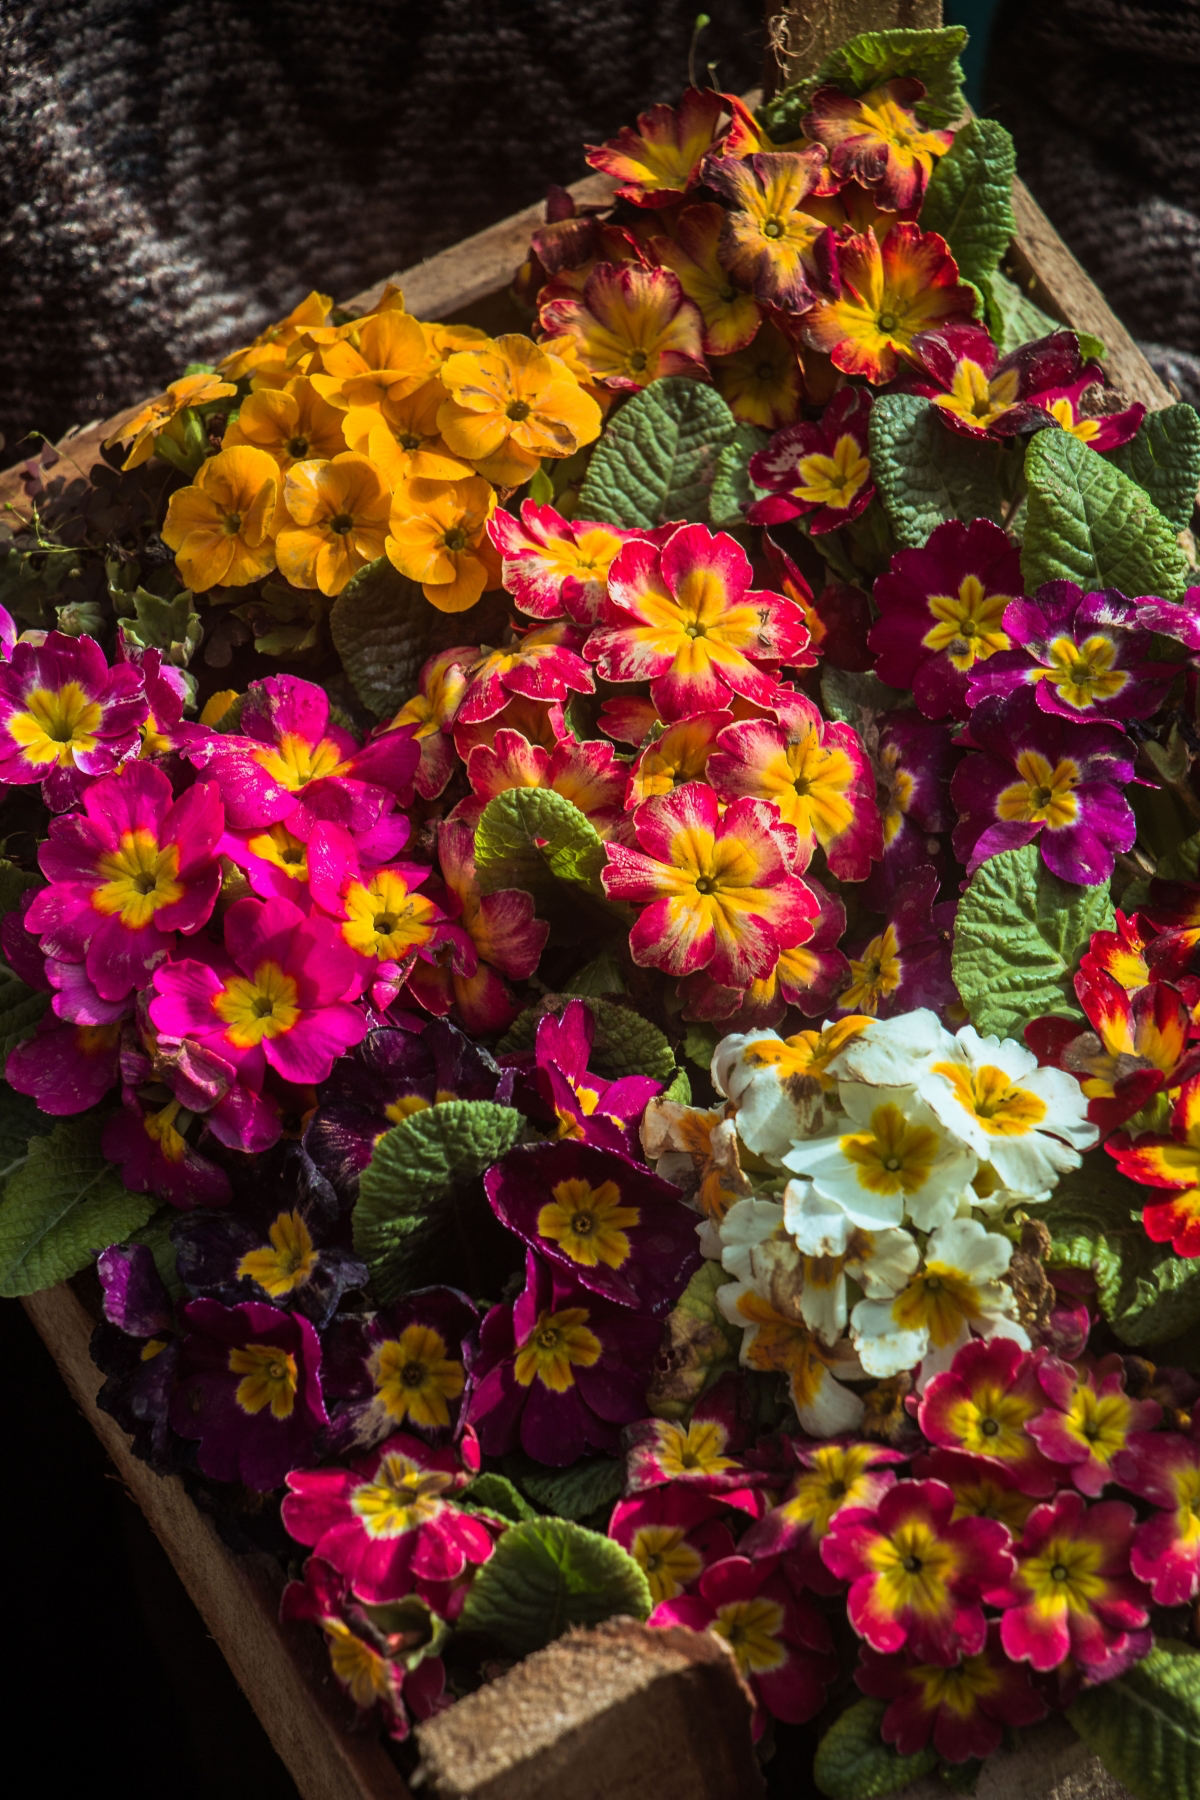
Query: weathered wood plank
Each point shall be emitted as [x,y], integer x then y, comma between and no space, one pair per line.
[801,36]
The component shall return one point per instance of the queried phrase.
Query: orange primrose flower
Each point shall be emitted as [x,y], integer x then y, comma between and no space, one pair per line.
[511,403]
[271,346]
[768,239]
[438,536]
[659,161]
[220,526]
[630,325]
[292,424]
[402,439]
[731,315]
[385,357]
[764,383]
[887,294]
[878,139]
[337,521]
[142,430]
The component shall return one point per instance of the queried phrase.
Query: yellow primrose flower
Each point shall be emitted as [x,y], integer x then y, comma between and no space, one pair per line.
[447,340]
[220,526]
[402,437]
[272,345]
[338,513]
[438,536]
[384,356]
[764,383]
[140,432]
[292,424]
[510,404]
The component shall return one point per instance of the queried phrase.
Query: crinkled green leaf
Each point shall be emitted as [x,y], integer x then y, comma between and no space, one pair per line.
[1018,936]
[1164,459]
[380,626]
[1089,523]
[605,974]
[1012,317]
[572,1493]
[546,1575]
[969,198]
[854,1763]
[926,473]
[658,457]
[531,838]
[13,883]
[172,626]
[492,1493]
[1145,1725]
[932,56]
[732,489]
[20,1009]
[857,696]
[63,1203]
[418,1166]
[625,1043]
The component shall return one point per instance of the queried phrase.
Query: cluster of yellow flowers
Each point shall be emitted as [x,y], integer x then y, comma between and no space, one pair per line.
[378,436]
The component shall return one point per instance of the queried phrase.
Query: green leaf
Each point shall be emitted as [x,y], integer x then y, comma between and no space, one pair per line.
[19,1120]
[20,1009]
[1018,935]
[699,1043]
[625,1043]
[605,974]
[926,474]
[571,1493]
[546,1575]
[417,1165]
[1090,524]
[380,626]
[854,1763]
[531,838]
[1164,459]
[13,883]
[732,489]
[857,697]
[658,456]
[969,198]
[679,1088]
[62,1204]
[172,626]
[31,582]
[1012,317]
[496,1494]
[932,56]
[1145,1725]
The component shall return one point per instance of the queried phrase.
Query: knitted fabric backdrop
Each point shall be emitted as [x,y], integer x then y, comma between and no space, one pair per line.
[1103,99]
[175,173]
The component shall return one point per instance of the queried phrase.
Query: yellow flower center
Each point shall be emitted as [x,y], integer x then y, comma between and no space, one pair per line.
[669,1561]
[1044,796]
[959,1689]
[938,1301]
[268,1379]
[160,1127]
[1065,1572]
[875,974]
[752,1630]
[277,845]
[587,1222]
[697,1449]
[1084,429]
[414,1378]
[969,627]
[288,1263]
[992,1423]
[1084,673]
[837,1481]
[140,878]
[1001,1105]
[914,1568]
[1099,1422]
[296,762]
[973,398]
[558,1343]
[262,1007]
[401,1497]
[833,480]
[383,919]
[57,723]
[894,1156]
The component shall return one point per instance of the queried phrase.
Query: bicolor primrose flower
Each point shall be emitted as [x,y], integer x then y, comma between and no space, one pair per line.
[399,1369]
[964,1709]
[1089,1420]
[704,1453]
[894,1161]
[510,403]
[126,873]
[659,161]
[781,1087]
[878,140]
[673,1534]
[820,472]
[762,384]
[685,618]
[730,313]
[942,613]
[958,1291]
[290,423]
[678,754]
[551,565]
[147,1142]
[981,1489]
[717,893]
[432,711]
[1169,1161]
[543,663]
[913,765]
[65,716]
[884,296]
[907,964]
[769,241]
[1139,1047]
[980,394]
[1072,1593]
[587,774]
[832,1477]
[807,975]
[983,1405]
[221,527]
[630,326]
[1164,1468]
[1036,777]
[437,535]
[587,1108]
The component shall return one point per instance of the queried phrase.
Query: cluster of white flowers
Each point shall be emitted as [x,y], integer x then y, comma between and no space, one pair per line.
[905,1145]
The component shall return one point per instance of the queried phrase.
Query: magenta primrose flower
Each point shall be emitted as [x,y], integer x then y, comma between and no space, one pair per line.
[65,716]
[1037,777]
[985,1403]
[963,1709]
[1089,1420]
[249,1389]
[66,1067]
[126,873]
[833,1476]
[146,1141]
[941,613]
[388,1520]
[821,470]
[782,1643]
[673,1534]
[980,394]
[1164,1468]
[907,964]
[277,996]
[602,1220]
[585,1106]
[1073,1593]
[543,664]
[559,1371]
[397,1369]
[914,761]
[381,917]
[917,1574]
[1086,656]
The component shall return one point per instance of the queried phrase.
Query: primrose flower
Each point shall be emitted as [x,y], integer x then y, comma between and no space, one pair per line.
[587,1108]
[763,384]
[917,1576]
[541,664]
[963,1709]
[381,917]
[138,435]
[807,975]
[781,1087]
[1084,655]
[267,355]
[776,1339]
[959,1290]
[718,892]
[878,140]
[630,326]
[588,774]
[388,358]
[66,1067]
[551,565]
[880,1262]
[1170,1161]
[398,1369]
[907,964]
[913,765]
[942,613]
[437,535]
[559,1370]
[981,1489]
[833,1476]
[1038,777]
[1072,1594]
[884,297]
[65,716]
[704,1454]
[769,240]
[146,1140]
[781,1642]
[388,1519]
[1164,1468]
[337,520]
[1061,394]
[1088,1423]
[128,872]
[659,161]
[697,1151]
[895,1159]
[731,315]
[291,424]
[510,404]
[432,711]
[1139,1046]
[980,394]
[673,1534]
[983,1405]
[818,471]
[249,1389]
[136,1349]
[275,998]
[220,527]
[402,437]
[678,754]
[685,618]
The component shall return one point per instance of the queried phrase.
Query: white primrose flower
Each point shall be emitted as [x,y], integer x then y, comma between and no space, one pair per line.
[757,1248]
[987,1194]
[1030,1124]
[834,1247]
[897,1161]
[958,1291]
[780,1086]
[773,1339]
[896,1052]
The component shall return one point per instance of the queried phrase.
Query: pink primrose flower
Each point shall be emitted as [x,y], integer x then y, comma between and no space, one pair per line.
[275,998]
[917,1575]
[685,618]
[388,1519]
[166,696]
[963,1709]
[982,1489]
[1073,1594]
[126,873]
[984,1405]
[66,1067]
[154,1156]
[65,716]
[1164,1468]
[679,753]
[541,721]
[820,471]
[553,565]
[807,975]
[380,915]
[673,1534]
[432,711]
[1089,1420]
[542,664]
[717,893]
[587,1108]
[833,1475]
[587,774]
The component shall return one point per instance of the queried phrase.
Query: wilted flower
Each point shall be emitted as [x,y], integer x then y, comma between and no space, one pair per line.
[769,240]
[139,434]
[781,1087]
[877,139]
